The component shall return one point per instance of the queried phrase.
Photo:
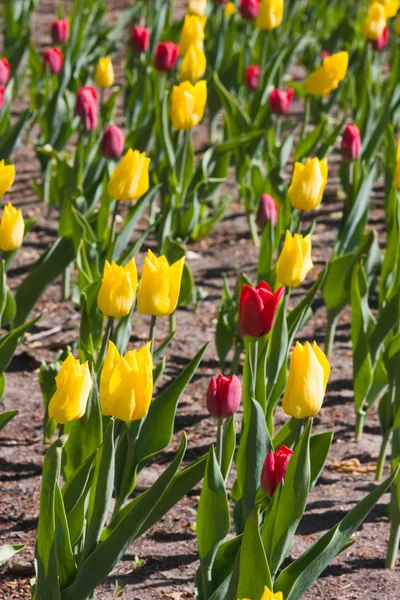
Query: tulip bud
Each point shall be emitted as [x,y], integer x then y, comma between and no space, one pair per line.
[382,40]
[118,289]
[280,101]
[193,65]
[294,261]
[230,9]
[7,176]
[187,104]
[53,59]
[87,107]
[351,142]
[252,77]
[2,95]
[270,15]
[249,9]
[327,77]
[140,39]
[167,54]
[11,228]
[308,183]
[375,22]
[126,383]
[274,469]
[308,375]
[396,176]
[267,211]
[112,144]
[104,76]
[130,178]
[5,71]
[223,396]
[73,382]
[192,33]
[160,286]
[60,31]
[197,7]
[257,309]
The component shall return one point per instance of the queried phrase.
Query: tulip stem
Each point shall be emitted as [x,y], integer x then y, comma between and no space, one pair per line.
[107,335]
[253,229]
[219,440]
[360,422]
[301,423]
[113,222]
[253,365]
[330,332]
[183,163]
[66,282]
[382,455]
[172,323]
[152,333]
[307,107]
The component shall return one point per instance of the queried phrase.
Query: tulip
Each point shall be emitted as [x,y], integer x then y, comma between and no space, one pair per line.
[118,289]
[268,595]
[112,144]
[351,142]
[223,396]
[140,39]
[192,33]
[375,22]
[126,383]
[73,382]
[60,31]
[249,9]
[7,176]
[11,228]
[104,76]
[5,71]
[87,107]
[391,7]
[397,26]
[267,211]
[2,95]
[167,54]
[197,7]
[257,309]
[230,9]
[325,54]
[252,77]
[308,183]
[193,65]
[280,101]
[274,469]
[294,261]
[308,375]
[188,104]
[327,77]
[396,177]
[382,40]
[53,59]
[130,178]
[270,15]
[159,286]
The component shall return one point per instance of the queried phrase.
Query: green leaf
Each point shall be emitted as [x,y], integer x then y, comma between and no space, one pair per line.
[6,417]
[9,343]
[9,141]
[228,445]
[320,445]
[66,565]
[7,552]
[307,145]
[254,573]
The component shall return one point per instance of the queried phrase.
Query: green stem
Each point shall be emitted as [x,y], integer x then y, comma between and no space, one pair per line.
[253,229]
[186,141]
[394,541]
[301,423]
[330,332]
[66,282]
[113,223]
[254,366]
[307,107]
[219,440]
[278,129]
[360,422]
[152,333]
[264,51]
[172,323]
[382,455]
[107,335]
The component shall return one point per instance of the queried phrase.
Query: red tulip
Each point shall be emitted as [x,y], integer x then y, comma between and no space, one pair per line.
[223,396]
[112,144]
[351,142]
[324,54]
[53,59]
[267,211]
[382,40]
[257,308]
[280,101]
[252,76]
[140,39]
[249,9]
[2,95]
[5,71]
[274,469]
[60,31]
[87,107]
[166,56]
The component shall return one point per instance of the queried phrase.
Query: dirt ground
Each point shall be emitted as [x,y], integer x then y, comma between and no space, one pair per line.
[162,564]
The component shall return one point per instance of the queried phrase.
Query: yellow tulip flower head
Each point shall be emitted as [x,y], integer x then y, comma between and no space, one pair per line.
[104,76]
[397,172]
[294,261]
[197,7]
[11,228]
[118,289]
[308,375]
[126,383]
[270,15]
[326,78]
[391,7]
[130,178]
[192,33]
[7,176]
[187,104]
[308,183]
[230,9]
[193,65]
[73,382]
[268,595]
[159,286]
[375,22]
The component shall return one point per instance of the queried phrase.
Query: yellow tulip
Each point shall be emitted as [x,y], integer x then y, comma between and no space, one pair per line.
[192,33]
[159,286]
[375,22]
[294,261]
[198,7]
[397,26]
[73,382]
[118,289]
[308,375]
[130,178]
[187,104]
[11,228]
[308,183]
[397,172]
[268,595]
[391,7]
[327,77]
[230,9]
[7,176]
[193,65]
[104,76]
[126,383]
[270,15]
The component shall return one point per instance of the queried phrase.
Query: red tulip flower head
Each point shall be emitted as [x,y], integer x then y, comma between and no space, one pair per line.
[382,41]
[223,396]
[280,101]
[249,9]
[252,76]
[167,54]
[140,39]
[267,211]
[87,107]
[2,95]
[5,71]
[324,54]
[274,469]
[112,144]
[351,142]
[257,309]
[60,31]
[53,59]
